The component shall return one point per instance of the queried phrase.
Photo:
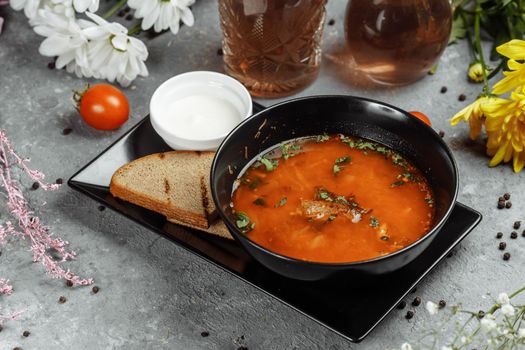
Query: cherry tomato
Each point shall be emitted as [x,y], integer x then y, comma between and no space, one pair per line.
[421,117]
[103,107]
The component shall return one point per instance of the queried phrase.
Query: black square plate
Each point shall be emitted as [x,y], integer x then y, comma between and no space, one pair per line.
[349,307]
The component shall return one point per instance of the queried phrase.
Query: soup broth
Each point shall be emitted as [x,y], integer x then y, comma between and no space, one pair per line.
[333,199]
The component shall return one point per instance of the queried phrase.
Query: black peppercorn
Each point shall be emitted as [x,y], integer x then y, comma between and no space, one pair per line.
[219,52]
[401,305]
[481,314]
[121,13]
[204,334]
[331,22]
[101,208]
[501,199]
[443,89]
[416,301]
[508,205]
[501,205]
[462,97]
[442,303]
[499,235]
[517,225]
[17,348]
[523,233]
[1,328]
[502,245]
[441,133]
[69,283]
[506,256]
[506,196]
[26,334]
[59,181]
[51,65]
[67,131]
[95,289]
[35,186]
[514,235]
[62,300]
[242,348]
[129,17]
[409,315]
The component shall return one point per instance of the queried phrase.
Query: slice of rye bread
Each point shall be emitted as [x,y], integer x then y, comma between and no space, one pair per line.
[175,184]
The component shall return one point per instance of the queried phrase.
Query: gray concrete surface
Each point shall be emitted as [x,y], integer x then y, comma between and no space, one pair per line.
[155,295]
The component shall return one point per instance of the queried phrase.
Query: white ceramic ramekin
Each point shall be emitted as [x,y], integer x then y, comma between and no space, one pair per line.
[187,84]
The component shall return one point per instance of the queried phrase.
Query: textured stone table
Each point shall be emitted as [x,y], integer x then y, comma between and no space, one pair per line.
[155,295]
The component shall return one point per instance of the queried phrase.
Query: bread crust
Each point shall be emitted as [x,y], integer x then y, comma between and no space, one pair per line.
[170,210]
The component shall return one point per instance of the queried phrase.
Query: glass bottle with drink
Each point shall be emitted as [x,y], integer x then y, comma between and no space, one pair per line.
[397,42]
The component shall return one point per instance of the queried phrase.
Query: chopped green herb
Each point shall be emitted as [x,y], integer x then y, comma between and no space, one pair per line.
[341,200]
[346,159]
[259,201]
[331,218]
[323,138]
[281,202]
[429,200]
[337,168]
[290,149]
[374,222]
[270,164]
[251,183]
[243,222]
[324,195]
[397,183]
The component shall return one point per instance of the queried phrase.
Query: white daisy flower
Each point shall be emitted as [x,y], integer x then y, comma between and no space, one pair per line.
[163,14]
[65,39]
[432,307]
[84,5]
[487,325]
[113,54]
[503,299]
[507,310]
[406,346]
[521,333]
[62,8]
[30,7]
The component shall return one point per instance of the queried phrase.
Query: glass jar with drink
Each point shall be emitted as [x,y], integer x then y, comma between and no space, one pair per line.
[272,46]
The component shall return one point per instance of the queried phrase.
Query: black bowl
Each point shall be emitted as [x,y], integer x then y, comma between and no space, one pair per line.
[352,116]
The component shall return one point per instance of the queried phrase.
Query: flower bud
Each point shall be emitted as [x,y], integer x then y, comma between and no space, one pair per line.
[475,72]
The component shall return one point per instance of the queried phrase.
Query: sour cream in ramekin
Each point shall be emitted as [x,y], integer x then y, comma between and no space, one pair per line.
[196,110]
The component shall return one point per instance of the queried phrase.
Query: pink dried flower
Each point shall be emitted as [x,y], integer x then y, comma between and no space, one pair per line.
[29,226]
[5,287]
[9,317]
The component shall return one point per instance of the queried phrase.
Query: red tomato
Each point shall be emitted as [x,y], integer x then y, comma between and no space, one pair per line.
[421,117]
[104,107]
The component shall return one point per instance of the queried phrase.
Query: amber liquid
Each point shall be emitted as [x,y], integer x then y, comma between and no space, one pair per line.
[272,46]
[397,41]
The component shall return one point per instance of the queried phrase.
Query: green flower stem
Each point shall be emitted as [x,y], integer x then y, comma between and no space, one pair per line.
[135,29]
[477,42]
[114,9]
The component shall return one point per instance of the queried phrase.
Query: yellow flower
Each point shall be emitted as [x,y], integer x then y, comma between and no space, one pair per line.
[473,114]
[505,126]
[515,51]
[475,72]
